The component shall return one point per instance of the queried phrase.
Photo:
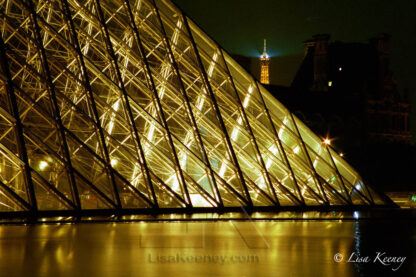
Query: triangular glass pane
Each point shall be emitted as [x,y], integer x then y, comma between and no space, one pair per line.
[12,173]
[130,198]
[90,167]
[8,204]
[46,199]
[89,197]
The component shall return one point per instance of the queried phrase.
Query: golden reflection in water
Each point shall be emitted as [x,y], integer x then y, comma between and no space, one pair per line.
[234,248]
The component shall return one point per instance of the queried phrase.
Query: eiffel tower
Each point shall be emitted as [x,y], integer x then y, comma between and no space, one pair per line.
[128,106]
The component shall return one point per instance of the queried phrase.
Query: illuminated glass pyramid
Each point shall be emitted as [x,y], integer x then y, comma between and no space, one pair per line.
[111,104]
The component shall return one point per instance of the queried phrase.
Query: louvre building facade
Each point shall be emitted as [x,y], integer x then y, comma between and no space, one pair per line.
[128,105]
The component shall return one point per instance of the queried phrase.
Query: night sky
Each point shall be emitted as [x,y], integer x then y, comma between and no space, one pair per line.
[240,26]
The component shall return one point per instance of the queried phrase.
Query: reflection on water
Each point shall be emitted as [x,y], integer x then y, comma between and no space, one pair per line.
[243,248]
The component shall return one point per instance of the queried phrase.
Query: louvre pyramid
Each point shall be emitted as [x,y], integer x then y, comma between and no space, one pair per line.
[124,105]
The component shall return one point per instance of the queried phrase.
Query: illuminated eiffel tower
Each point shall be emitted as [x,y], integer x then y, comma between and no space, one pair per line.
[264,66]
[129,106]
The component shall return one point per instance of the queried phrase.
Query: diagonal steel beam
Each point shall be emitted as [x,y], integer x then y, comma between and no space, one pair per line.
[216,109]
[18,130]
[53,101]
[151,83]
[253,140]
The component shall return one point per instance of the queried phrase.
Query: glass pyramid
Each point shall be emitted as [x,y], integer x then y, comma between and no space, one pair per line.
[129,105]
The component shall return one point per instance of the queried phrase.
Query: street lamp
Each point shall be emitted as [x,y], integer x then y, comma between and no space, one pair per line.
[327,141]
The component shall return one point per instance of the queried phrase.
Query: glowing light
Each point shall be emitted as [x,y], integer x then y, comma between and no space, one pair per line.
[235,130]
[133,177]
[296,150]
[199,201]
[262,183]
[273,149]
[247,98]
[201,101]
[327,141]
[341,154]
[356,215]
[269,163]
[112,117]
[282,128]
[110,127]
[211,67]
[222,170]
[245,104]
[264,56]
[151,132]
[264,63]
[234,134]
[184,158]
[43,165]
[330,84]
[340,69]
[177,30]
[174,178]
[114,162]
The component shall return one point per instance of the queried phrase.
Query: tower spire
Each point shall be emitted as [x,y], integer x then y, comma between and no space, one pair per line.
[264,63]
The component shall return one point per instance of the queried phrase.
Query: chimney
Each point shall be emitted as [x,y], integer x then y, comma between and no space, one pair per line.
[320,63]
[308,45]
[382,46]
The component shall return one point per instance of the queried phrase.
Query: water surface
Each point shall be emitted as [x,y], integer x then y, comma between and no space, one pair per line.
[227,248]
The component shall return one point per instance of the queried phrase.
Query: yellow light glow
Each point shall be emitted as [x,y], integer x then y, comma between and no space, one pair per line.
[112,117]
[273,149]
[327,141]
[135,180]
[262,183]
[234,134]
[222,170]
[43,165]
[212,65]
[296,150]
[175,186]
[282,128]
[177,127]
[264,62]
[199,201]
[245,104]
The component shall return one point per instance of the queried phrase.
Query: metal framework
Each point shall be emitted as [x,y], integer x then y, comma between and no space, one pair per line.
[264,66]
[129,106]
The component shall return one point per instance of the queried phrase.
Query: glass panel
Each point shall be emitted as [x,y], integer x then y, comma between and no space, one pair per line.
[196,102]
[11,172]
[45,198]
